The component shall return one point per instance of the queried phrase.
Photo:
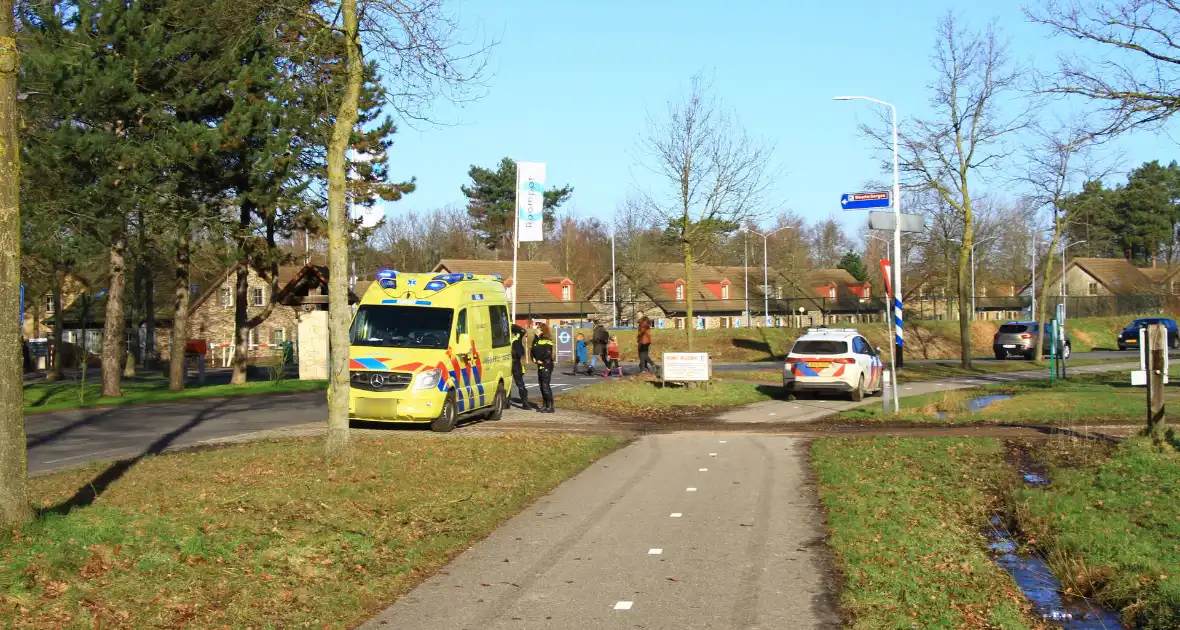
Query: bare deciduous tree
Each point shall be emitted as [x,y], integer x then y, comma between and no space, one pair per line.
[1135,73]
[1054,163]
[415,42]
[711,175]
[965,135]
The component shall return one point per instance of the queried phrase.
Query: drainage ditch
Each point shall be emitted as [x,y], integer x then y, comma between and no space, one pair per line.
[1033,575]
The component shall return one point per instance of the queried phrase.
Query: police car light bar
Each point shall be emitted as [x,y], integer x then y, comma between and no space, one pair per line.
[819,330]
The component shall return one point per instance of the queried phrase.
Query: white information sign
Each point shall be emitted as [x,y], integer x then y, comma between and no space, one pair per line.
[687,366]
[530,201]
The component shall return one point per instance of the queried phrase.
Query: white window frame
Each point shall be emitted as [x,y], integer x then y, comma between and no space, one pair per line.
[831,293]
[279,336]
[1092,288]
[226,298]
[49,304]
[725,291]
[567,292]
[252,337]
[680,292]
[258,296]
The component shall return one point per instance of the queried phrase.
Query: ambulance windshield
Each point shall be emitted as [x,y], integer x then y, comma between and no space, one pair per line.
[402,327]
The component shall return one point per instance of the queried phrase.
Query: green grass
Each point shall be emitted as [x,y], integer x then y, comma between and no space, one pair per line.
[905,517]
[269,534]
[637,398]
[915,372]
[69,395]
[1088,398]
[1112,530]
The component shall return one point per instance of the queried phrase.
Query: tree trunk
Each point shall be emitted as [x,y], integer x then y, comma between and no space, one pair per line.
[134,351]
[113,346]
[965,291]
[180,319]
[55,371]
[688,292]
[339,313]
[149,314]
[241,331]
[14,497]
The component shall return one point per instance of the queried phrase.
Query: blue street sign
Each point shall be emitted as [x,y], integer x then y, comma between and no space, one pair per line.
[864,200]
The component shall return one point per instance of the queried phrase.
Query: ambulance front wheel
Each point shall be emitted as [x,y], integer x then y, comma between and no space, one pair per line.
[446,420]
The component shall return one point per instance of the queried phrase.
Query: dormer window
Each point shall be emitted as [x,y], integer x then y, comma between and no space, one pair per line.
[832,292]
[566,293]
[680,292]
[725,291]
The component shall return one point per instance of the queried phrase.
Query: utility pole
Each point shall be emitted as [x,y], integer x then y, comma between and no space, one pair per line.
[1157,348]
[614,288]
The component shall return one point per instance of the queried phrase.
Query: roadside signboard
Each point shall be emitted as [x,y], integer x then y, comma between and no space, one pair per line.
[914,223]
[687,366]
[565,342]
[530,201]
[864,200]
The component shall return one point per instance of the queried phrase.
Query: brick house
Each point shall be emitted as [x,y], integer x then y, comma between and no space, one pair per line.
[542,294]
[719,296]
[1113,286]
[39,309]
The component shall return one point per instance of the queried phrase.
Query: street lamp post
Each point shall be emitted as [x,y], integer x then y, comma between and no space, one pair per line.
[973,244]
[765,268]
[898,355]
[1064,246]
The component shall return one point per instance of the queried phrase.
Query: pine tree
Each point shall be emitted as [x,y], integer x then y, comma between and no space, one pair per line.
[491,202]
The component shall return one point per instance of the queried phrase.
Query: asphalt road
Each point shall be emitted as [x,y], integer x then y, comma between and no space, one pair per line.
[674,531]
[68,438]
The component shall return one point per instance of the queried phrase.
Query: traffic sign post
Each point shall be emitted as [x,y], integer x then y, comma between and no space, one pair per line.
[565,343]
[865,200]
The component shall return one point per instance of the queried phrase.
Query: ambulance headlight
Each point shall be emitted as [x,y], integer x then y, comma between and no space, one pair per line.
[428,379]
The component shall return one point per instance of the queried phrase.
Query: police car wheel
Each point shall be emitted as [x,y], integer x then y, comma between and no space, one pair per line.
[446,420]
[858,393]
[498,404]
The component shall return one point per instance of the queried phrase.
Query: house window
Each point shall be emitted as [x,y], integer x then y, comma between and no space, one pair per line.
[832,292]
[606,293]
[194,290]
[725,293]
[49,304]
[509,291]
[253,338]
[258,296]
[280,336]
[1175,287]
[868,291]
[680,292]
[566,292]
[1093,288]
[227,297]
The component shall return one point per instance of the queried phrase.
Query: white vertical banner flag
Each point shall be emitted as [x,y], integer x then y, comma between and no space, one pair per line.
[530,201]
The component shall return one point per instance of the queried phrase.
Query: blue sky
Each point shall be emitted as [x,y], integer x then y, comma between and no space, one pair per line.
[574,82]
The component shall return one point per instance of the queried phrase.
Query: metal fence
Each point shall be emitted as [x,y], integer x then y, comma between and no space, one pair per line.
[827,310]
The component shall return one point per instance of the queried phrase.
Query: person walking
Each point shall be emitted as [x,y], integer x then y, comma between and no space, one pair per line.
[600,338]
[643,340]
[544,353]
[581,354]
[612,358]
[522,390]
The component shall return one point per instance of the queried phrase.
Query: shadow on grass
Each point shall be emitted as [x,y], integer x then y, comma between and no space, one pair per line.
[50,392]
[755,345]
[88,493]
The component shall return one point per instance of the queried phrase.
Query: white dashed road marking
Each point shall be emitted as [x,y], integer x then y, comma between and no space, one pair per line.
[674,515]
[702,470]
[690,489]
[712,454]
[623,605]
[654,552]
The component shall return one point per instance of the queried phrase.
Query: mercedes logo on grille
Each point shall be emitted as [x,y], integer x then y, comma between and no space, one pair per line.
[377,380]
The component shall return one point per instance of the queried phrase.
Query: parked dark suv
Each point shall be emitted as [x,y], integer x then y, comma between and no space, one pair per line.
[1129,338]
[1019,338]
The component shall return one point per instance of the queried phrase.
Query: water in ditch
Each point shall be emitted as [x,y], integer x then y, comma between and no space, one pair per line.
[975,405]
[1034,577]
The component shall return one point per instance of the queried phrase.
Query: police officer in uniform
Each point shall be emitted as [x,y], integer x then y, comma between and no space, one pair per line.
[518,334]
[544,353]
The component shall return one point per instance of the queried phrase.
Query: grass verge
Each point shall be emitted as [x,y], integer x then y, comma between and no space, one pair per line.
[69,395]
[904,517]
[268,534]
[917,372]
[1111,530]
[637,398]
[1081,399]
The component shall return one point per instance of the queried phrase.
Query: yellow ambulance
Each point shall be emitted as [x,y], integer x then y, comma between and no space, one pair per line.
[431,348]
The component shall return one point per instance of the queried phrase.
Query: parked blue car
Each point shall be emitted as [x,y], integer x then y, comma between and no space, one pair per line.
[1129,338]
